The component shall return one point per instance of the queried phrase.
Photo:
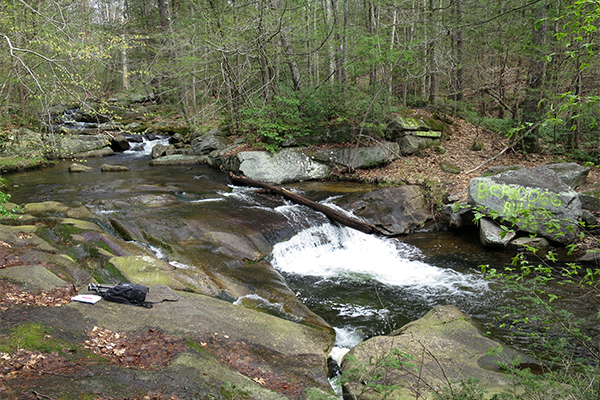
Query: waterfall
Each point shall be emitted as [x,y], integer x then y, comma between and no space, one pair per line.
[339,260]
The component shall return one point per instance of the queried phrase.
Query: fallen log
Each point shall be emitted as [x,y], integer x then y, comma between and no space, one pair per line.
[296,198]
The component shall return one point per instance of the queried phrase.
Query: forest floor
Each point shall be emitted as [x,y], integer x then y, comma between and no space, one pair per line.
[425,169]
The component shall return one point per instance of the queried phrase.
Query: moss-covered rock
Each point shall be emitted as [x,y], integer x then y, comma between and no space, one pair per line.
[426,356]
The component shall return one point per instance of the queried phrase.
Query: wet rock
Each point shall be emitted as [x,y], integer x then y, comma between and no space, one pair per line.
[492,235]
[119,143]
[114,168]
[176,138]
[103,152]
[77,168]
[159,150]
[523,243]
[459,215]
[176,159]
[398,211]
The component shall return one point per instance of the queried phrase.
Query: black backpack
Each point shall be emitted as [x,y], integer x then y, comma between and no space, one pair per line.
[128,293]
[125,293]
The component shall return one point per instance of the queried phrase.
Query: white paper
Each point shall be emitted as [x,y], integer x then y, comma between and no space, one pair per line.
[87,298]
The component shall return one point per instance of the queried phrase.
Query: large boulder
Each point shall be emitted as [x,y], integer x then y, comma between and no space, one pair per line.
[22,142]
[287,165]
[412,144]
[176,159]
[358,157]
[572,174]
[412,134]
[210,141]
[535,200]
[119,143]
[114,168]
[303,164]
[68,146]
[397,211]
[492,235]
[425,356]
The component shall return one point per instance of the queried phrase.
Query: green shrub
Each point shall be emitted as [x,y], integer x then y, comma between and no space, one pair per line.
[310,113]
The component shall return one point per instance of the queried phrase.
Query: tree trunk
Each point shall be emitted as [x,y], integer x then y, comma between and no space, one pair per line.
[434,83]
[535,82]
[330,46]
[296,79]
[458,53]
[329,213]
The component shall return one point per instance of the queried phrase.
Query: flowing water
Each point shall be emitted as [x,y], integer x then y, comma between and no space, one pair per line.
[360,284]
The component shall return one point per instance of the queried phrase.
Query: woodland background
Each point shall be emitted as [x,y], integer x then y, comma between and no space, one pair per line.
[275,67]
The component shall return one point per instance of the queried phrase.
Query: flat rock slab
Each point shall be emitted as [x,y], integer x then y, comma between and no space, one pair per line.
[175,159]
[33,277]
[287,165]
[358,157]
[229,349]
[401,123]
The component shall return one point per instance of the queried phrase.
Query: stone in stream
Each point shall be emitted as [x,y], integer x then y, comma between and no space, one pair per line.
[76,168]
[114,168]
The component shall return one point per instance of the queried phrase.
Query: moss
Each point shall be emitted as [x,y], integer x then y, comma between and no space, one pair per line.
[120,229]
[66,230]
[18,163]
[109,274]
[33,336]
[192,344]
[156,242]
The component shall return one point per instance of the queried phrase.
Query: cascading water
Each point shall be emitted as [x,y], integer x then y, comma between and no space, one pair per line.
[144,148]
[354,279]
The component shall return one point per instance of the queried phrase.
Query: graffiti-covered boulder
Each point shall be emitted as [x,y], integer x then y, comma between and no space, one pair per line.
[535,200]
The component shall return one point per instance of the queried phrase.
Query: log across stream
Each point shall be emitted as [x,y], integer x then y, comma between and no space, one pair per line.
[296,198]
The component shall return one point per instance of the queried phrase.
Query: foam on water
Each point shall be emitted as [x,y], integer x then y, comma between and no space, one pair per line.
[329,251]
[146,146]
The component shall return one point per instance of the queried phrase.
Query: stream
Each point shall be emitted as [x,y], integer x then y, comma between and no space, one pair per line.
[361,285]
